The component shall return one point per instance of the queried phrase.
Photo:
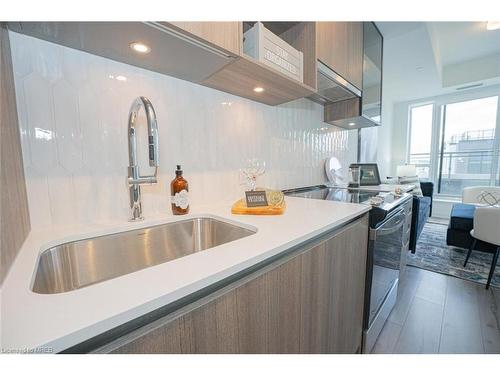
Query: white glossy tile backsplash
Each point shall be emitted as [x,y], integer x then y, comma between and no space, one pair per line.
[73,110]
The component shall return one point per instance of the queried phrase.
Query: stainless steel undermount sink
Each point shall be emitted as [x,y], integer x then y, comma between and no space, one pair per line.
[77,264]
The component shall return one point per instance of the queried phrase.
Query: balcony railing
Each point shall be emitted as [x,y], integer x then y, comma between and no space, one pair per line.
[459,169]
[474,135]
[422,162]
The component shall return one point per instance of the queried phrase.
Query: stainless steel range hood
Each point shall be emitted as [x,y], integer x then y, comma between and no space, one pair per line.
[343,101]
[345,105]
[332,87]
[352,114]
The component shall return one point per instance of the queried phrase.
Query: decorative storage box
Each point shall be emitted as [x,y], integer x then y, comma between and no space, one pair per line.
[271,50]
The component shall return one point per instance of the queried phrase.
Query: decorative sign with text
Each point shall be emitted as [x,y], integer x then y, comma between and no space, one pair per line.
[256,198]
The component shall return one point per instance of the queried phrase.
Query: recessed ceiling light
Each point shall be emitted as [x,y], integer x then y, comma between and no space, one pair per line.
[140,47]
[352,123]
[258,89]
[492,25]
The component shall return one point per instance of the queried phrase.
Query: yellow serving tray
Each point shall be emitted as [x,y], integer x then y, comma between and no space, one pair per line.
[240,208]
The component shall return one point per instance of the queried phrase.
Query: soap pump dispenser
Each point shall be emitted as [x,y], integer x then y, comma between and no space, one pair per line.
[179,193]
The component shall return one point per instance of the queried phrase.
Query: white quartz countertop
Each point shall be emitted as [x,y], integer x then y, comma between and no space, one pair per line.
[59,321]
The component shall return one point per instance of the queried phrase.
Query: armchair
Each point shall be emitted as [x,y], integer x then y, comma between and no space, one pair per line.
[474,194]
[462,220]
[485,228]
[422,210]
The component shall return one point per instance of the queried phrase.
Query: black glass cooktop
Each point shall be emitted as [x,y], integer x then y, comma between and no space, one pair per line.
[341,194]
[334,194]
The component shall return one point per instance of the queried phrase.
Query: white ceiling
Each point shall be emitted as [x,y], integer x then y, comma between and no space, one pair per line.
[423,59]
[409,70]
[392,29]
[462,41]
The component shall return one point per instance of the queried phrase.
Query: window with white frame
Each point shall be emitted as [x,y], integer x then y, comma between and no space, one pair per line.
[457,143]
[420,138]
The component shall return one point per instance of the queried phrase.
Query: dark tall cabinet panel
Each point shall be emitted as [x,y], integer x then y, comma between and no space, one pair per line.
[372,72]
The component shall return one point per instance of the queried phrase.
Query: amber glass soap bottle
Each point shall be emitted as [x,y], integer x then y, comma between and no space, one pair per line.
[179,193]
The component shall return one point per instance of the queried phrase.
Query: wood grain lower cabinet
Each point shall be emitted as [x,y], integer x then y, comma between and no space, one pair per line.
[308,302]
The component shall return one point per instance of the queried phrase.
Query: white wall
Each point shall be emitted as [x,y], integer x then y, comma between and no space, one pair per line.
[412,73]
[399,135]
[369,145]
[481,69]
[73,120]
[384,139]
[409,72]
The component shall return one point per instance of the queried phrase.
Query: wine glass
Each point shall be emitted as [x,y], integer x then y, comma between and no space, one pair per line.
[254,168]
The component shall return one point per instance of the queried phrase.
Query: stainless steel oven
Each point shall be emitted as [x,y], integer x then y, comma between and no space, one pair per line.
[387,246]
[382,273]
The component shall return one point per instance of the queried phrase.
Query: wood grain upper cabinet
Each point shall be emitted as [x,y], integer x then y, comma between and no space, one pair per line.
[339,45]
[248,72]
[226,35]
[310,301]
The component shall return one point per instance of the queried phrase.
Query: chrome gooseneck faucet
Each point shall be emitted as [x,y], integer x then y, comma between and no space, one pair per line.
[135,180]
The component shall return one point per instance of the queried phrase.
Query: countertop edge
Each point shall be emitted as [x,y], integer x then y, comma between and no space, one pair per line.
[83,334]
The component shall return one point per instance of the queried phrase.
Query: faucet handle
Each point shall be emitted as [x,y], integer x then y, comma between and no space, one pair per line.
[142,180]
[135,178]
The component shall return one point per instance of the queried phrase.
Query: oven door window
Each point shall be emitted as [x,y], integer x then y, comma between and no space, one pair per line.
[387,246]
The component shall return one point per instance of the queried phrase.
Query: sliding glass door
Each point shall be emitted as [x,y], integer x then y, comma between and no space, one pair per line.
[468,153]
[456,144]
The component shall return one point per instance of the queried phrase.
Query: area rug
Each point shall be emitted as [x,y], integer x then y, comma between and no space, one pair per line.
[433,254]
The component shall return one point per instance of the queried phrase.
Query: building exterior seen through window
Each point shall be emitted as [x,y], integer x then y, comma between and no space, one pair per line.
[467,143]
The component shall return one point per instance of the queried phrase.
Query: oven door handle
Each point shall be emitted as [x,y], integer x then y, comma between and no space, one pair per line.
[400,215]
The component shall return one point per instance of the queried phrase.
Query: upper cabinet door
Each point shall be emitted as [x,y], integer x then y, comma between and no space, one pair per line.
[340,47]
[226,35]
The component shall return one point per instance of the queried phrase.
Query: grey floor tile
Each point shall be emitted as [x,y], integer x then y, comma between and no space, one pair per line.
[422,329]
[461,332]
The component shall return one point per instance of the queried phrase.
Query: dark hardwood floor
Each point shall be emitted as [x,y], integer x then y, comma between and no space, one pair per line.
[436,313]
